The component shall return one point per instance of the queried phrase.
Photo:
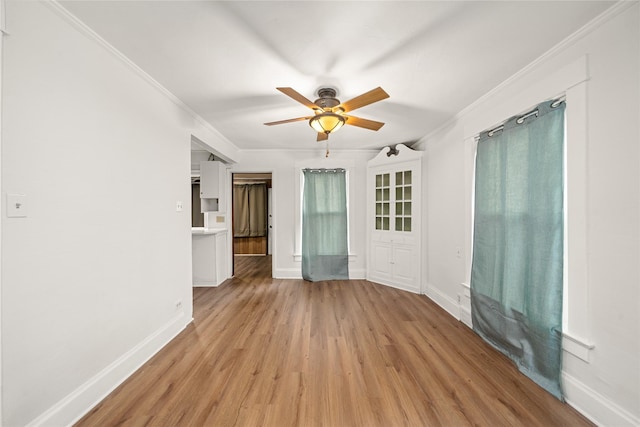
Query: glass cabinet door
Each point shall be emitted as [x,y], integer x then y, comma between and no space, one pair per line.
[383,203]
[403,199]
[394,201]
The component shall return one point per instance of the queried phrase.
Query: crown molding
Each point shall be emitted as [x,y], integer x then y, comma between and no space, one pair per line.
[577,35]
[87,31]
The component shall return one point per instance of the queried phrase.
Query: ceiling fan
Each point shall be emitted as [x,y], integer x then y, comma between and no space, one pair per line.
[330,113]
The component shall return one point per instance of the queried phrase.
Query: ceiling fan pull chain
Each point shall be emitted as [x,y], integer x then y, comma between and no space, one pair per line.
[327,154]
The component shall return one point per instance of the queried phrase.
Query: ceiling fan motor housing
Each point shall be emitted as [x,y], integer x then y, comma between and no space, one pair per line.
[327,98]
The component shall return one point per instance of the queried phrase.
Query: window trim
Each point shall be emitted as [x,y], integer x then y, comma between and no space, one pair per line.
[572,81]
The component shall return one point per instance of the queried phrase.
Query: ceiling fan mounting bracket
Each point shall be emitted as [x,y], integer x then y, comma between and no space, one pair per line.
[327,92]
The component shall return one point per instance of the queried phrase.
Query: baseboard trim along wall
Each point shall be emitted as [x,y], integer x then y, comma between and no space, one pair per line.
[447,303]
[286,273]
[73,407]
[595,406]
[390,284]
[584,399]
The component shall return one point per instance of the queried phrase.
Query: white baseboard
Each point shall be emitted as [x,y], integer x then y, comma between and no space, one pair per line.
[595,406]
[73,407]
[465,316]
[357,273]
[287,273]
[204,284]
[449,304]
[393,285]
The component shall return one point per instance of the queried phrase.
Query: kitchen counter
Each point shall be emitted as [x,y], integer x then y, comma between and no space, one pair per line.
[209,256]
[202,230]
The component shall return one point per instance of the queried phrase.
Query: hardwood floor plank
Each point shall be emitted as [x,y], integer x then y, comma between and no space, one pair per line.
[268,352]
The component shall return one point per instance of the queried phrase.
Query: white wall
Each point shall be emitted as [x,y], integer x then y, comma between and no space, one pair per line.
[606,387]
[284,166]
[91,278]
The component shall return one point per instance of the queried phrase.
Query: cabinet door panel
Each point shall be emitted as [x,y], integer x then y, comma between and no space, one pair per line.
[405,265]
[380,256]
[209,180]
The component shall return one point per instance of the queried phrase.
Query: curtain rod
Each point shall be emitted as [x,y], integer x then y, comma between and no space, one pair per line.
[249,183]
[522,118]
[332,170]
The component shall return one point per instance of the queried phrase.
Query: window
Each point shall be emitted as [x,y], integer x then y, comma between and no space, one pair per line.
[352,211]
[516,274]
[570,80]
[324,225]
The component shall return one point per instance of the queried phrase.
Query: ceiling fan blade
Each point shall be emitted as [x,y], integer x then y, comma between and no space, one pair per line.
[363,123]
[298,97]
[322,136]
[280,122]
[374,95]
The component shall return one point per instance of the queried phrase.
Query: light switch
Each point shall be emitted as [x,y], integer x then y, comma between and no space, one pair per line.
[178,206]
[16,205]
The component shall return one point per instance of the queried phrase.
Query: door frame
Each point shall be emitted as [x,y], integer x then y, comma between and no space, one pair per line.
[272,206]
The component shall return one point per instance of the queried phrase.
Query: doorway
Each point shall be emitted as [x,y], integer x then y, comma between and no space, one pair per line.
[251,216]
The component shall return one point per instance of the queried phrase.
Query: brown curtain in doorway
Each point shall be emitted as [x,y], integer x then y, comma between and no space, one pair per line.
[250,210]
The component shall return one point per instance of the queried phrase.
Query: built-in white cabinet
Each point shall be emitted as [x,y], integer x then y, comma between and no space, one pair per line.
[393,219]
[213,177]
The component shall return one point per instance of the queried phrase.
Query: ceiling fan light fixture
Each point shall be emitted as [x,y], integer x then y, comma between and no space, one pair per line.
[327,122]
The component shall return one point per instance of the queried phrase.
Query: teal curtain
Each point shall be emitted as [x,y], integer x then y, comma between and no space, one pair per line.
[324,225]
[516,275]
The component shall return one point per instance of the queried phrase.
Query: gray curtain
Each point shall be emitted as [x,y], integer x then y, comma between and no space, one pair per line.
[516,276]
[250,210]
[324,225]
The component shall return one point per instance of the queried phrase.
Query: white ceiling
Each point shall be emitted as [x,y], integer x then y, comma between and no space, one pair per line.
[224,59]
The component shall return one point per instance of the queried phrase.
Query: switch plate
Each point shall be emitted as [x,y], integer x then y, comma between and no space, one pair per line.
[179,206]
[16,206]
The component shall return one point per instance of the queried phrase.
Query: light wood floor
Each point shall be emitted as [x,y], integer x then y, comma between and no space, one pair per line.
[250,245]
[265,352]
